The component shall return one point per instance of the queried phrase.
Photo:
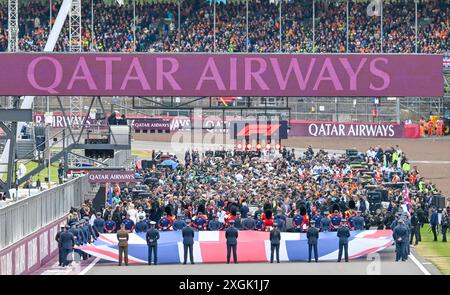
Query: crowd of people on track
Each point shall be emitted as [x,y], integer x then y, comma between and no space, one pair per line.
[256,191]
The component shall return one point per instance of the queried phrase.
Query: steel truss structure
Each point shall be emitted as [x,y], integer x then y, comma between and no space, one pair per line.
[76,102]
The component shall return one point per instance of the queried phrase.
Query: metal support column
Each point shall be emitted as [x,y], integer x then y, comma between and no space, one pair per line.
[76,102]
[13,28]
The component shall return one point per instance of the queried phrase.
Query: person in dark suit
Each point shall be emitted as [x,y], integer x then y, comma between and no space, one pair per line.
[434,222]
[123,237]
[343,234]
[152,237]
[188,241]
[275,238]
[67,242]
[99,224]
[313,236]
[400,236]
[231,234]
[60,250]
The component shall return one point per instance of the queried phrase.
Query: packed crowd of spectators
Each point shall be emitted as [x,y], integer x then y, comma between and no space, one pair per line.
[255,192]
[157,27]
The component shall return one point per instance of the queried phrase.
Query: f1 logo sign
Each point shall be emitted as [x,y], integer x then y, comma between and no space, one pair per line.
[374,8]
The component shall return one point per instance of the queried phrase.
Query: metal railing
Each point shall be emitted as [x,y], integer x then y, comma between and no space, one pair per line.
[28,215]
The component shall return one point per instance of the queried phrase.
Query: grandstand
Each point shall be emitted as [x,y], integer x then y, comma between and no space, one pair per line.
[255,26]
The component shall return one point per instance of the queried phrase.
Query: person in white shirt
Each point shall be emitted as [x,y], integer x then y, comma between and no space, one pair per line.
[133,213]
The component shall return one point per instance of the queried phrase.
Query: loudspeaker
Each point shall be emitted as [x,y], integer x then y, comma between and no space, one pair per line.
[374,199]
[148,164]
[438,201]
[384,195]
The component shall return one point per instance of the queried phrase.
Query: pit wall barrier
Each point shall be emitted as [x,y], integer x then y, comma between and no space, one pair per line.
[32,252]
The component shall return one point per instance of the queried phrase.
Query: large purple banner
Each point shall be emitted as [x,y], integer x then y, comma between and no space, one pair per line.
[336,129]
[221,74]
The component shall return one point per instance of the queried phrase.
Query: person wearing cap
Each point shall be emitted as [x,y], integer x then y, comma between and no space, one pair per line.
[141,225]
[67,243]
[91,236]
[60,250]
[343,233]
[313,236]
[99,224]
[231,234]
[400,236]
[152,237]
[188,241]
[275,238]
[123,237]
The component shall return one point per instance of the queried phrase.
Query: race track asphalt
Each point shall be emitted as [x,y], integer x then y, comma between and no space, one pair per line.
[379,264]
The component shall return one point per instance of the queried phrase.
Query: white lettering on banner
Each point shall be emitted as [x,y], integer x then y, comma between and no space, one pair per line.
[6,264]
[391,131]
[43,245]
[351,130]
[32,253]
[312,129]
[20,257]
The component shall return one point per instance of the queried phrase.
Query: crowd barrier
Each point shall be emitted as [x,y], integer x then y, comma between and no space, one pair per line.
[30,214]
[32,252]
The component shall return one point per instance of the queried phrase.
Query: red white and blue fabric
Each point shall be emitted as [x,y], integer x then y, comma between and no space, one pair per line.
[407,199]
[253,246]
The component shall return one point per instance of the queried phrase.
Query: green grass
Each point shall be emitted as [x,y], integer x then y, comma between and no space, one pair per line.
[436,252]
[143,154]
[43,174]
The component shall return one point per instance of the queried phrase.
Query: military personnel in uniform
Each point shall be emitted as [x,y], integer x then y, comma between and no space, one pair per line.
[141,226]
[343,234]
[188,242]
[60,250]
[214,224]
[400,236]
[313,236]
[67,242]
[275,238]
[325,222]
[122,237]
[152,238]
[231,234]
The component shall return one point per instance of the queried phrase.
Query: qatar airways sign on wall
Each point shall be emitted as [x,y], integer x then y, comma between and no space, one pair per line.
[335,129]
[186,74]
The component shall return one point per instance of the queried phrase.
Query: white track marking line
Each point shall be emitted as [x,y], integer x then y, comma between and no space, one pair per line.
[88,268]
[419,265]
